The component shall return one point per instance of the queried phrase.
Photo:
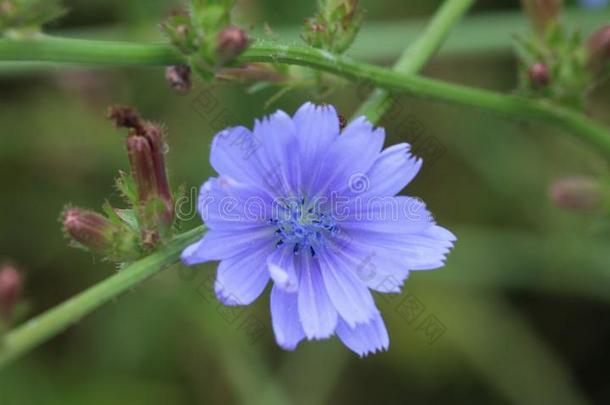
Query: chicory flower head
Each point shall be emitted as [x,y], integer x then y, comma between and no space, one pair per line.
[314,209]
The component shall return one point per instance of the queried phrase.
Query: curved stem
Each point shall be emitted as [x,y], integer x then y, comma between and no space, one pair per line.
[417,55]
[511,106]
[50,323]
[120,53]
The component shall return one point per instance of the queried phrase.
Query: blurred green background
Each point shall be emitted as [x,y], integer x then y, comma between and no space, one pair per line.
[523,301]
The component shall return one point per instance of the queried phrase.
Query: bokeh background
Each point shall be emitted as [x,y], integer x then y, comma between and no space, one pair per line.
[523,303]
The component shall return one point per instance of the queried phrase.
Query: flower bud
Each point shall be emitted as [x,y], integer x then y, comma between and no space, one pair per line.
[142,166]
[163,192]
[599,49]
[542,13]
[11,283]
[578,194]
[90,229]
[179,77]
[539,75]
[230,43]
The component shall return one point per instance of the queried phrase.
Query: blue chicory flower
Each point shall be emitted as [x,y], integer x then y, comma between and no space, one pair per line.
[314,209]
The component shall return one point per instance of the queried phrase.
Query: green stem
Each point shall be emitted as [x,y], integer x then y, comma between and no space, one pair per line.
[120,53]
[511,106]
[48,324]
[417,55]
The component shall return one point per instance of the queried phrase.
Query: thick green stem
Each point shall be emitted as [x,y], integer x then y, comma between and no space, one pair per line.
[120,53]
[50,323]
[417,55]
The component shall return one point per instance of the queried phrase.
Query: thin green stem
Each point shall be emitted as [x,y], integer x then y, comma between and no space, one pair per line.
[80,51]
[48,324]
[417,55]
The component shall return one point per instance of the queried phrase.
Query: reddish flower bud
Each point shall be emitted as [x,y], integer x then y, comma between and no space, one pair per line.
[11,283]
[142,166]
[230,43]
[599,49]
[89,229]
[539,75]
[179,77]
[542,13]
[157,145]
[578,194]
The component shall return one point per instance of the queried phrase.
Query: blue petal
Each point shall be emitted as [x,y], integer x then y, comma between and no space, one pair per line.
[235,155]
[388,215]
[279,152]
[364,338]
[392,171]
[223,244]
[380,269]
[316,311]
[350,296]
[317,128]
[242,278]
[224,204]
[282,269]
[285,318]
[423,250]
[349,158]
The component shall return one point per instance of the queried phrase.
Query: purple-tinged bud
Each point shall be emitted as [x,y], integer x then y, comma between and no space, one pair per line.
[578,194]
[11,284]
[539,75]
[543,13]
[142,166]
[157,145]
[599,49]
[179,77]
[230,43]
[89,229]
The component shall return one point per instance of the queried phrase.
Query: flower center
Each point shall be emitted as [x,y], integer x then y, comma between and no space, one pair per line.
[303,225]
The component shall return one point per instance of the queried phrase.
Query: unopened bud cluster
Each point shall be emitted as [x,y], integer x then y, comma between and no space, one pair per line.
[123,234]
[335,26]
[206,36]
[559,64]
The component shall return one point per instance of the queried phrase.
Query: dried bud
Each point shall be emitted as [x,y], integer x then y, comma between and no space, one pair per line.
[125,117]
[230,43]
[90,229]
[539,75]
[542,13]
[599,49]
[578,194]
[179,77]
[11,283]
